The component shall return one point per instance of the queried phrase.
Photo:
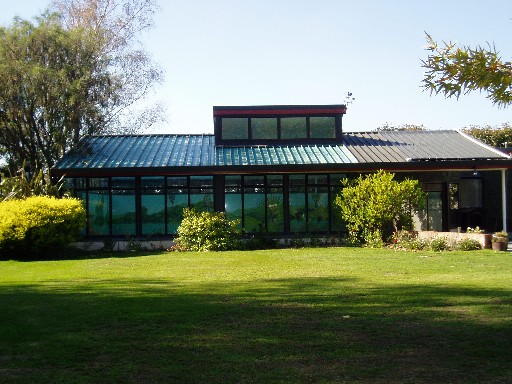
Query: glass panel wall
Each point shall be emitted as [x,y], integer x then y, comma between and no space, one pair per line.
[123,206]
[278,128]
[152,205]
[233,198]
[201,193]
[318,209]
[293,128]
[275,204]
[254,210]
[322,127]
[296,203]
[235,128]
[99,213]
[177,200]
[275,210]
[335,182]
[264,128]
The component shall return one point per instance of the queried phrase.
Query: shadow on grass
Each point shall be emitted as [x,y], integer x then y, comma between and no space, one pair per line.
[288,331]
[72,253]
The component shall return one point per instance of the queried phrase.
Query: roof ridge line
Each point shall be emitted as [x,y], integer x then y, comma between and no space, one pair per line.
[482,144]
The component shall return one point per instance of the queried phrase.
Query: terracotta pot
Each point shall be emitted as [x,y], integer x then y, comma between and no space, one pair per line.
[499,246]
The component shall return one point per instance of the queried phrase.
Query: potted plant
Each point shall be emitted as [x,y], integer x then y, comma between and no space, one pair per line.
[499,241]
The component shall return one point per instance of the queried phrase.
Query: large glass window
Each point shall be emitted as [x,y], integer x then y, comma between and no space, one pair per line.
[322,127]
[177,200]
[254,209]
[99,213]
[123,182]
[337,222]
[274,203]
[264,128]
[470,193]
[318,209]
[233,198]
[201,193]
[152,205]
[235,128]
[293,128]
[297,199]
[123,212]
[275,210]
[71,183]
[98,182]
[318,203]
[123,206]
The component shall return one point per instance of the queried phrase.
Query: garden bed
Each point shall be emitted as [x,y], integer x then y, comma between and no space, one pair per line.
[483,238]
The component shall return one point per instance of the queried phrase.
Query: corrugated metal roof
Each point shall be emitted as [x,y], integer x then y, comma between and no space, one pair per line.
[402,146]
[175,151]
[146,151]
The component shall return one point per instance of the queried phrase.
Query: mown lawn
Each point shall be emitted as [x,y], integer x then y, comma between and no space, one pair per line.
[338,315]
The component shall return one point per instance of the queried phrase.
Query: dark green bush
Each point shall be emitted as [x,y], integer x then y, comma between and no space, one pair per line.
[206,231]
[38,225]
[468,245]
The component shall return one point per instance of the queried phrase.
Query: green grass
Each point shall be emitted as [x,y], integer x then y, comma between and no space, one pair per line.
[338,315]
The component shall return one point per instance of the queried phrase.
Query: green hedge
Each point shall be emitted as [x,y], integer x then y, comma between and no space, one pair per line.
[38,225]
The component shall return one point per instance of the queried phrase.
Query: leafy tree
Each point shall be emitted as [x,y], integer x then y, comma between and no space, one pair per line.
[53,91]
[114,27]
[21,186]
[402,127]
[453,70]
[494,136]
[72,74]
[375,203]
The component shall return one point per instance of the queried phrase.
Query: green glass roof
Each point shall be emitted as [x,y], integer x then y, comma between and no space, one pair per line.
[160,151]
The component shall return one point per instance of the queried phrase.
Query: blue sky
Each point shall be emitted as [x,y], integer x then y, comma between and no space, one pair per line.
[235,52]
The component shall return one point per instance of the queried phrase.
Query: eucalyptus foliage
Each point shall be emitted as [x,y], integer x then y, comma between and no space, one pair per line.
[374,204]
[493,136]
[453,70]
[70,74]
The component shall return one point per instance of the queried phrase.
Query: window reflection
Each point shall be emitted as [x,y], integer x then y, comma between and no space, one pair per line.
[293,128]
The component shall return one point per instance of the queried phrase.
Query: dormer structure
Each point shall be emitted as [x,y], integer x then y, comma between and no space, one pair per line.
[278,124]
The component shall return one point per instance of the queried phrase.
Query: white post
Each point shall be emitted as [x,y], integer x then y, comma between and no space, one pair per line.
[504,198]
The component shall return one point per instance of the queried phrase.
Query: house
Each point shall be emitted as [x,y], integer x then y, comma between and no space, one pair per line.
[277,169]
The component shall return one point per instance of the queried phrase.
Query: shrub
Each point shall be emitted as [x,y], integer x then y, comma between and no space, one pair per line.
[374,204]
[408,241]
[468,245]
[206,231]
[38,225]
[438,244]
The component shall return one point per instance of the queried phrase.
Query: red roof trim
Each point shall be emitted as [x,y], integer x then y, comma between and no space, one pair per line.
[280,112]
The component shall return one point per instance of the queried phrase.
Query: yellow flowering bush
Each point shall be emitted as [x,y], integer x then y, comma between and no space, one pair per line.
[38,225]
